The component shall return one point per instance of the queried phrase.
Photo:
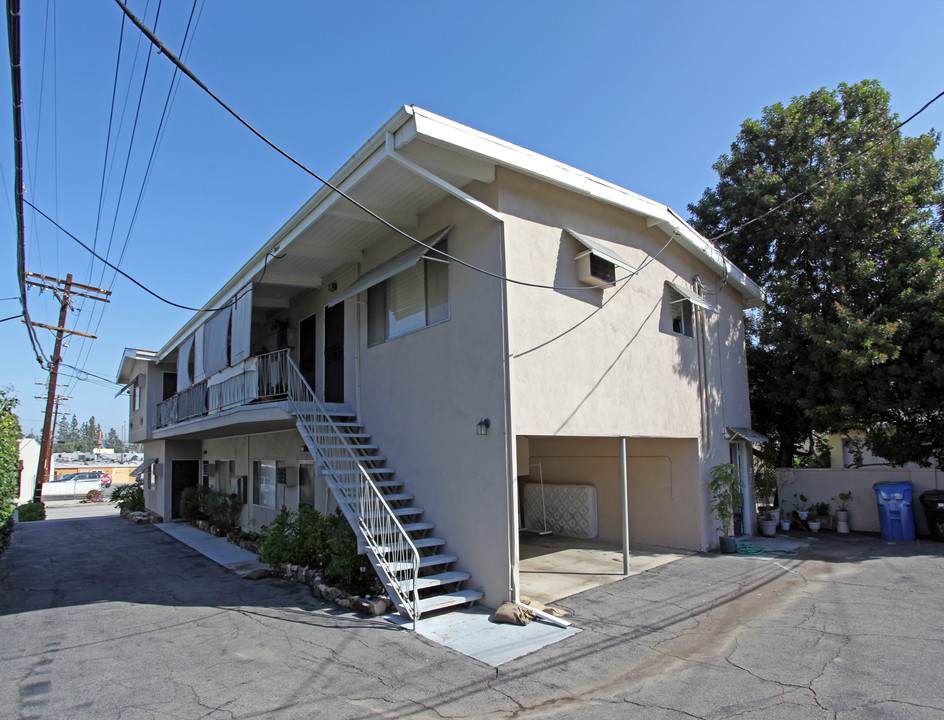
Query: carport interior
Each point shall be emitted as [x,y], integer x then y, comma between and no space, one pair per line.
[581,545]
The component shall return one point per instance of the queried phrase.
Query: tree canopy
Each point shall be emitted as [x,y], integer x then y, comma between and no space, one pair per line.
[853,333]
[73,437]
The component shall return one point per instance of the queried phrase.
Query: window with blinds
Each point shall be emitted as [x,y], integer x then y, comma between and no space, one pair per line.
[411,300]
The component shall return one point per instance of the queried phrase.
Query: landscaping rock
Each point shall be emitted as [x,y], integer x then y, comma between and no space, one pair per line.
[377,606]
[257,574]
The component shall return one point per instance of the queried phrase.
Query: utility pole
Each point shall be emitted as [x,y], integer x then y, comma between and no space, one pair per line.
[55,419]
[64,291]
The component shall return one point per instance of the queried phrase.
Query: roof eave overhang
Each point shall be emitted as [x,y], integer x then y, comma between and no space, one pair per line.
[130,356]
[306,214]
[441,131]
[411,122]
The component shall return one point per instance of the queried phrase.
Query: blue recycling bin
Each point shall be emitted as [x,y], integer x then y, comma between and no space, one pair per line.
[895,511]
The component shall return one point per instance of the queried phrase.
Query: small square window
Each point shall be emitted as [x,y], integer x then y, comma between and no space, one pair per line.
[682,315]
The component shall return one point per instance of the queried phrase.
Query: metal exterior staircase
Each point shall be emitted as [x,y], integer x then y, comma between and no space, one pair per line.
[397,540]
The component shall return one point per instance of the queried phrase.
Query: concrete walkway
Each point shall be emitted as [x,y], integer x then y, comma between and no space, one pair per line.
[469,631]
[218,549]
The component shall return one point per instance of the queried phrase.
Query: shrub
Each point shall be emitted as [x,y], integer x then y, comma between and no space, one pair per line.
[218,508]
[327,543]
[129,497]
[222,509]
[93,495]
[31,511]
[6,530]
[192,502]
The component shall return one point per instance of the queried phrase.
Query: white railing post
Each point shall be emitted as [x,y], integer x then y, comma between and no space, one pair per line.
[390,545]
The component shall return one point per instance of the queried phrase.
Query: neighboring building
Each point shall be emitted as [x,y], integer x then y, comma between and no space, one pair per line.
[848,450]
[29,463]
[465,384]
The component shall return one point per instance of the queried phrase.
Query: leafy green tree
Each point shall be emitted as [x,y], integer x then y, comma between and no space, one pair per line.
[113,441]
[853,332]
[9,453]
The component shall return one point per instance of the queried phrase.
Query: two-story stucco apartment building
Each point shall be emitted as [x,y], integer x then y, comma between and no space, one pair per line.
[560,324]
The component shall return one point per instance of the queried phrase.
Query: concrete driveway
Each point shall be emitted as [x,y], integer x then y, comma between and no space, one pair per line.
[100,618]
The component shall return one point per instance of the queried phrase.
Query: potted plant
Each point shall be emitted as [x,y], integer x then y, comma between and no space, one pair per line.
[725,488]
[767,524]
[800,503]
[785,523]
[814,525]
[766,487]
[842,514]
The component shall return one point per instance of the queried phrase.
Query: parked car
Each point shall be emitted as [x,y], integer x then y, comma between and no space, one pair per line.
[103,476]
[75,485]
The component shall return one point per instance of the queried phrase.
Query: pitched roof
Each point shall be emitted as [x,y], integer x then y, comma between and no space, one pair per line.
[412,162]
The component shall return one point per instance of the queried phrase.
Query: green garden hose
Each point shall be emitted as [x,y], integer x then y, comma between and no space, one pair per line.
[748,549]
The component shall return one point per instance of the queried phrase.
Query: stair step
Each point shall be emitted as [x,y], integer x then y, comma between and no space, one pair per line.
[348,436]
[439,602]
[418,527]
[397,497]
[369,471]
[425,562]
[431,581]
[419,543]
[399,512]
[377,483]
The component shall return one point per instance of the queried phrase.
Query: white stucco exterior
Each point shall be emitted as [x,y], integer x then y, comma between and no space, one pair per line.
[561,373]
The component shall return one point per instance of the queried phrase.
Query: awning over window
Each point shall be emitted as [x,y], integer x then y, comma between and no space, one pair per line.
[601,251]
[395,265]
[746,434]
[691,295]
[137,382]
[143,467]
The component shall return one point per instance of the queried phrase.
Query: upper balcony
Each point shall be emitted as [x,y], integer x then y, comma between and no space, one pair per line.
[250,396]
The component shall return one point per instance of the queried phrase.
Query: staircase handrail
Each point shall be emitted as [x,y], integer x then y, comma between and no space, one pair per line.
[374,514]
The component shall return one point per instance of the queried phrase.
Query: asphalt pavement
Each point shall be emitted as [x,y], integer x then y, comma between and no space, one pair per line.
[100,618]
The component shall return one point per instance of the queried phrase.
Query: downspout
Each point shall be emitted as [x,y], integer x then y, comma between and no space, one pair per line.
[511,492]
[704,390]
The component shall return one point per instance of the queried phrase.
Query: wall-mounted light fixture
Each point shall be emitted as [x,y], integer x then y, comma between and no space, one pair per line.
[332,286]
[482,427]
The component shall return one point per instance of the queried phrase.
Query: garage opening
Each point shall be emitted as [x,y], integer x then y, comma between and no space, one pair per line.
[570,517]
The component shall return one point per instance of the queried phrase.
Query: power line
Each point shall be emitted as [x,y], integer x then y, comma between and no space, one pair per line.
[186,71]
[147,173]
[13,41]
[141,285]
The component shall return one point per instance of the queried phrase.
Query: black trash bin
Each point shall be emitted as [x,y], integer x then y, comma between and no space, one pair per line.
[933,501]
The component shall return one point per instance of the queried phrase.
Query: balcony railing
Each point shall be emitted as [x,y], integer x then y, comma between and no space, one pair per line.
[258,379]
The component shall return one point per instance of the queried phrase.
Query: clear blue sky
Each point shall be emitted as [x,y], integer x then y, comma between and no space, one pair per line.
[645,95]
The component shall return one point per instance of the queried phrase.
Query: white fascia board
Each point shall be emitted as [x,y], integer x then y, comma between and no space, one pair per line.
[128,359]
[322,199]
[439,130]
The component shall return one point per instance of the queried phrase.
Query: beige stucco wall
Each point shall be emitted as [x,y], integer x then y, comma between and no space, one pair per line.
[662,481]
[422,395]
[285,446]
[605,362]
[824,485]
